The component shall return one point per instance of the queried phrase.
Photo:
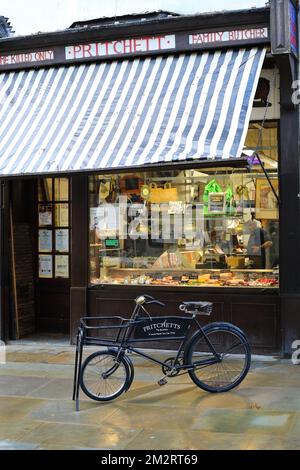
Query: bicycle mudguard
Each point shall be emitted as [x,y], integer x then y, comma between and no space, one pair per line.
[224,324]
[129,362]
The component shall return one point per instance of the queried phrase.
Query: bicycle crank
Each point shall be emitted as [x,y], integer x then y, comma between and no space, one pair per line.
[171,371]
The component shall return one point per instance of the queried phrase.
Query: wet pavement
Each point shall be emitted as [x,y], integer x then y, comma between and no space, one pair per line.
[36,410]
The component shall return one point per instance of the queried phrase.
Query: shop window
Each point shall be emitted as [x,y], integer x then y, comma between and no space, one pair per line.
[45,186]
[264,140]
[208,227]
[61,191]
[53,228]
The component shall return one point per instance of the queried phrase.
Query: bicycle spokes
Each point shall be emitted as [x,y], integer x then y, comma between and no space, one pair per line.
[221,359]
[104,376]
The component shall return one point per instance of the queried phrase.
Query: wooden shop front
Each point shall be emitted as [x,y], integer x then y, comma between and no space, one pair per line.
[156,156]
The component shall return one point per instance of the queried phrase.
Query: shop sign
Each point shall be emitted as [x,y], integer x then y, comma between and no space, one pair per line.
[30,57]
[162,327]
[228,36]
[216,203]
[284,27]
[293,29]
[134,47]
[120,47]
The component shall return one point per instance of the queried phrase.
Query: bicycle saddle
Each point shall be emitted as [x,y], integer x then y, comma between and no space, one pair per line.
[204,308]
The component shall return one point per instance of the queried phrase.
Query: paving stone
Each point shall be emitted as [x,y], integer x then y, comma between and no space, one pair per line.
[20,386]
[83,436]
[187,440]
[17,408]
[17,445]
[37,412]
[63,411]
[242,421]
[15,430]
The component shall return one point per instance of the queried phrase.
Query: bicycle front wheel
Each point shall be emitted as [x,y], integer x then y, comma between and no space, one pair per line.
[104,376]
[226,352]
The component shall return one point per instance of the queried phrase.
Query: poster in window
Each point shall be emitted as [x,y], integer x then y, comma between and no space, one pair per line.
[45,241]
[45,215]
[62,240]
[216,203]
[45,266]
[62,215]
[62,266]
[266,204]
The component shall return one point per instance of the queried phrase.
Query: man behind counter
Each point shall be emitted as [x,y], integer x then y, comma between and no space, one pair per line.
[259,242]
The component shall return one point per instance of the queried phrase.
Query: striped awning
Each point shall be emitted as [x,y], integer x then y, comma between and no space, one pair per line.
[127,113]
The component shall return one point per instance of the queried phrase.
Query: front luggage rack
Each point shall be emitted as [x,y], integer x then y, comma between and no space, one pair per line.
[105,331]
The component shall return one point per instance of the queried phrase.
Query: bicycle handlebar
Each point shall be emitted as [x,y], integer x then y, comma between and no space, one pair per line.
[148,299]
[156,302]
[147,296]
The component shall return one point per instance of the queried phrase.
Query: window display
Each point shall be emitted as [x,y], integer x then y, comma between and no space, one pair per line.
[198,227]
[221,244]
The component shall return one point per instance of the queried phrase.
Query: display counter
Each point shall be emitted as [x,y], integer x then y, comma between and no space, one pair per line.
[263,278]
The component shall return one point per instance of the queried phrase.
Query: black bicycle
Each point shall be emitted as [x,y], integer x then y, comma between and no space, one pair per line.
[217,356]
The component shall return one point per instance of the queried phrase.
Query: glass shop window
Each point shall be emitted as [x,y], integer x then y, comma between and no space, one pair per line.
[53,228]
[208,227]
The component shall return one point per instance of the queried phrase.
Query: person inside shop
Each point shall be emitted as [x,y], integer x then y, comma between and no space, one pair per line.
[259,241]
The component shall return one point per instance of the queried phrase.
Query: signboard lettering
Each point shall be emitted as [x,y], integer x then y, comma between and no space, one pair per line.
[120,47]
[161,327]
[216,203]
[26,57]
[123,47]
[225,36]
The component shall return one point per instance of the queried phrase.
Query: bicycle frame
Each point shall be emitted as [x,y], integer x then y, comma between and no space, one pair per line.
[124,342]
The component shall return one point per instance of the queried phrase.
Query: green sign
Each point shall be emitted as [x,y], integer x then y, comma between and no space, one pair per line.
[112,243]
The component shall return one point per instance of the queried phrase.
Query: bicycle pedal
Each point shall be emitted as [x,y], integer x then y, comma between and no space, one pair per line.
[162,382]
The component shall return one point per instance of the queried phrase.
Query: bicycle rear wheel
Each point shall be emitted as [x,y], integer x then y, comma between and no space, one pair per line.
[104,376]
[233,350]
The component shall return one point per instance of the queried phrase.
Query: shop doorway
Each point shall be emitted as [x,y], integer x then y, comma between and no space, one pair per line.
[40,257]
[53,255]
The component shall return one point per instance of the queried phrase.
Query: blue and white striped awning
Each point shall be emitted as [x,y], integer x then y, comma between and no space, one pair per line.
[127,113]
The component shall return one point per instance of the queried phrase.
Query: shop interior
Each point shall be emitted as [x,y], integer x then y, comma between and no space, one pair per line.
[202,227]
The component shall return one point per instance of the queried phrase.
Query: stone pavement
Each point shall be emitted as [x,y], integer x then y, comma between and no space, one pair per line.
[36,410]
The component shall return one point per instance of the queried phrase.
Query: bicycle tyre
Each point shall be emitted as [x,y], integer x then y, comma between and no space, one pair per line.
[209,378]
[104,361]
